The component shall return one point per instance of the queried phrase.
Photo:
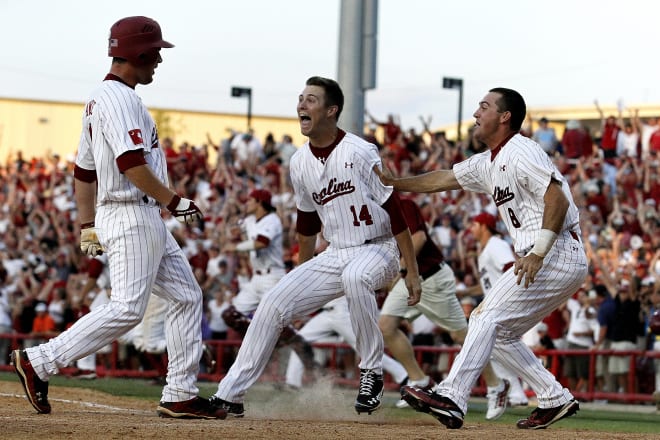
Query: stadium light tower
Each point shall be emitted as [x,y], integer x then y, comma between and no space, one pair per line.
[239,92]
[455,83]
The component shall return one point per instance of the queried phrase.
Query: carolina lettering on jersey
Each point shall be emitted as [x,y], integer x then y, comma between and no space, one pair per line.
[136,136]
[501,196]
[332,191]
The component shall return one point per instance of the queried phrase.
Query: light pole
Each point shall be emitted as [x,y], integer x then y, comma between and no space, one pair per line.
[239,92]
[456,83]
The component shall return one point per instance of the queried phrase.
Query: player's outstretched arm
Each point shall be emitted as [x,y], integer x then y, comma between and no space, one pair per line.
[434,181]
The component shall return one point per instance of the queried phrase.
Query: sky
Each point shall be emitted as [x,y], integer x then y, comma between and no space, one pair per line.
[556,53]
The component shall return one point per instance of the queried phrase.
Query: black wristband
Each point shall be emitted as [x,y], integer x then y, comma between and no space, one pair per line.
[403,271]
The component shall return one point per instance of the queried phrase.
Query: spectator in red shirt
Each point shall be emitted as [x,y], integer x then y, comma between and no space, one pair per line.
[576,141]
[609,133]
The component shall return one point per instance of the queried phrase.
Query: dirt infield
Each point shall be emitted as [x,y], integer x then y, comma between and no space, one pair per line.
[90,415]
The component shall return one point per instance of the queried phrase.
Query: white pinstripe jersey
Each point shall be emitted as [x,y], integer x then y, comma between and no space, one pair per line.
[270,226]
[517,179]
[345,192]
[114,122]
[492,259]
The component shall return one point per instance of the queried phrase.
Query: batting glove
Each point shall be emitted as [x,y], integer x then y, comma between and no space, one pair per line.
[89,241]
[184,210]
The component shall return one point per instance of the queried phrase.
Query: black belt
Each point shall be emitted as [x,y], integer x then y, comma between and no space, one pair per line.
[150,201]
[262,272]
[432,271]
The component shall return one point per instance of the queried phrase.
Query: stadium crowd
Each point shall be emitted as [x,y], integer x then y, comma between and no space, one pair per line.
[613,175]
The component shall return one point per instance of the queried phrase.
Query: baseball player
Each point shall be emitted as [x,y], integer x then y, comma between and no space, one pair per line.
[120,185]
[495,258]
[439,304]
[536,205]
[334,188]
[263,231]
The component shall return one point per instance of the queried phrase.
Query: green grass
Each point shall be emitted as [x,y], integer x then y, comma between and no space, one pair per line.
[606,420]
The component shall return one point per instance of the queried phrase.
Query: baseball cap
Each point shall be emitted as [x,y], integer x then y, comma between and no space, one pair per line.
[41,307]
[261,195]
[487,219]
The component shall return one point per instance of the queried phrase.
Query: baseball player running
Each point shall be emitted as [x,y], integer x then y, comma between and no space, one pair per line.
[439,303]
[336,188]
[120,184]
[536,205]
[263,231]
[495,258]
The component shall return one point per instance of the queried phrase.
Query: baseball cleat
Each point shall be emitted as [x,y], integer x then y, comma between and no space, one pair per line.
[541,418]
[497,400]
[370,392]
[430,402]
[426,384]
[35,388]
[235,410]
[195,408]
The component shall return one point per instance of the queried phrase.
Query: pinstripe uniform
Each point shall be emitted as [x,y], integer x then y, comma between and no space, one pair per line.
[333,319]
[361,258]
[267,263]
[492,260]
[517,176]
[142,253]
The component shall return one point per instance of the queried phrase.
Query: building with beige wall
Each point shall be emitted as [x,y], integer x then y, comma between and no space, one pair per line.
[39,128]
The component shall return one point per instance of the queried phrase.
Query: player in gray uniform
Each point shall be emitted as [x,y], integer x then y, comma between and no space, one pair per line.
[535,203]
[335,187]
[120,185]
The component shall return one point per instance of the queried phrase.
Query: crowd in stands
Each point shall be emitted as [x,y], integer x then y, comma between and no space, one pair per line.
[613,175]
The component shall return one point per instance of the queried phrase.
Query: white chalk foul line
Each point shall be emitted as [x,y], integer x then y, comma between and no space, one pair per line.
[86,404]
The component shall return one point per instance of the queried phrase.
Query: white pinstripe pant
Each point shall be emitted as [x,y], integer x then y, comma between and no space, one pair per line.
[356,271]
[141,254]
[508,311]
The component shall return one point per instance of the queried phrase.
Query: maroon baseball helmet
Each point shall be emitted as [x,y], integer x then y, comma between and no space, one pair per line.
[486,219]
[136,39]
[261,195]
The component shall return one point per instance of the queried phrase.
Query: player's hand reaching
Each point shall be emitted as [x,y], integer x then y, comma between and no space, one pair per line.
[528,266]
[414,285]
[184,210]
[89,241]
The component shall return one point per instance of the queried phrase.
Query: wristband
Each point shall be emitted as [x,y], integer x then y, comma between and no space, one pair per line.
[403,272]
[174,203]
[247,245]
[87,225]
[544,242]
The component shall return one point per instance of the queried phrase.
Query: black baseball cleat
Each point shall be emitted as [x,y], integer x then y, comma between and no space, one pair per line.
[430,402]
[541,418]
[195,408]
[35,388]
[235,410]
[370,392]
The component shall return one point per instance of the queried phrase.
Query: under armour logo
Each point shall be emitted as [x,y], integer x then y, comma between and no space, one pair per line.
[348,165]
[502,168]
